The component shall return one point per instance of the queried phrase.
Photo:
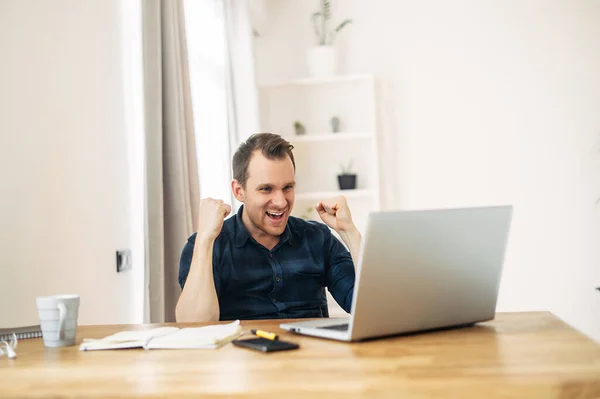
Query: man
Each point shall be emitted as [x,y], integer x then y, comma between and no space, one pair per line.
[264,263]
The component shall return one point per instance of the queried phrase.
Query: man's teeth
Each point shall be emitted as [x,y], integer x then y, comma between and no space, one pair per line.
[275,214]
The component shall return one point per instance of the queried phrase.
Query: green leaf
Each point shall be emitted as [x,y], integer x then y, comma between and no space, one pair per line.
[340,26]
[315,23]
[326,9]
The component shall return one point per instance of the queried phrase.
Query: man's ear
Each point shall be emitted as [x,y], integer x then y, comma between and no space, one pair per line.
[237,190]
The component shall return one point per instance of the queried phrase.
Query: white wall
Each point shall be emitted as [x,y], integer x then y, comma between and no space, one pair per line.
[481,103]
[66,129]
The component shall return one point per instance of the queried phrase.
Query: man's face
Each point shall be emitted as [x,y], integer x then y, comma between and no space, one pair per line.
[269,194]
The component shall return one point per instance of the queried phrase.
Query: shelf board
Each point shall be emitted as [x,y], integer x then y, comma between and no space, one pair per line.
[321,195]
[319,81]
[329,137]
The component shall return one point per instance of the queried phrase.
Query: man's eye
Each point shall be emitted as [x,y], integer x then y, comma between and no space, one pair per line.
[265,189]
[288,187]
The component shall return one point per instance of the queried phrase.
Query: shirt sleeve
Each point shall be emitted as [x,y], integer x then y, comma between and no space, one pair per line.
[185,262]
[340,272]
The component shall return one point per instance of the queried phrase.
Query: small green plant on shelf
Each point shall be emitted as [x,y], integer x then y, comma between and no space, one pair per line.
[320,20]
[347,179]
[299,128]
[346,169]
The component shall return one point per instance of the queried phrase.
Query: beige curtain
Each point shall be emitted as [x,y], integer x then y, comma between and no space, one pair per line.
[171,166]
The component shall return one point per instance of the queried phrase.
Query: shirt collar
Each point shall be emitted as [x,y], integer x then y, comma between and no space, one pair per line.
[242,235]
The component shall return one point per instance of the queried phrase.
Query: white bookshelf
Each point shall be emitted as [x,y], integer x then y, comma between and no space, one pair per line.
[339,79]
[319,195]
[311,137]
[320,153]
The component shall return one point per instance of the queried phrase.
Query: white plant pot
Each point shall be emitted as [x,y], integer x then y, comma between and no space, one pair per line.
[320,61]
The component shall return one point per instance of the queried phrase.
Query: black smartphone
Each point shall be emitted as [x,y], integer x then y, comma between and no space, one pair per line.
[265,345]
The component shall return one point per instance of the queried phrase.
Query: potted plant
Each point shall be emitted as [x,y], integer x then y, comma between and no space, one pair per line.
[347,180]
[335,124]
[321,58]
[299,128]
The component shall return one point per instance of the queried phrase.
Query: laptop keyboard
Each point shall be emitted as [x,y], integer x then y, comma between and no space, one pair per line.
[337,327]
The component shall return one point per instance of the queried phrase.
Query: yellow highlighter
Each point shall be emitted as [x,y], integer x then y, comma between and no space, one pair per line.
[265,334]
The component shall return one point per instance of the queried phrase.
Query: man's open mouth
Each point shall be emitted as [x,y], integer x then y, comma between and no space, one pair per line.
[275,215]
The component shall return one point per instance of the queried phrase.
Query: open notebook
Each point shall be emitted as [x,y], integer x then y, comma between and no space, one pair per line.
[210,337]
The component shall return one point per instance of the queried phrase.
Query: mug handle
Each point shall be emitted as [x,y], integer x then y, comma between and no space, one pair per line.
[62,316]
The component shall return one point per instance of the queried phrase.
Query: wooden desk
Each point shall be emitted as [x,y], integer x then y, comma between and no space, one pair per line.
[519,355]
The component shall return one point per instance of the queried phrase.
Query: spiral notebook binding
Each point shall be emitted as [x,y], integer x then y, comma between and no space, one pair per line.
[7,335]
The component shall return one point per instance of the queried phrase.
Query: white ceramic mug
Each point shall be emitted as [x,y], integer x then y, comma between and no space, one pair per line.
[58,319]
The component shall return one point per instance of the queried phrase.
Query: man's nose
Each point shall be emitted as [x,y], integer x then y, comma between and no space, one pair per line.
[278,199]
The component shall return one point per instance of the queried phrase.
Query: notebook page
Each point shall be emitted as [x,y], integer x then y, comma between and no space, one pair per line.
[125,339]
[198,337]
[141,335]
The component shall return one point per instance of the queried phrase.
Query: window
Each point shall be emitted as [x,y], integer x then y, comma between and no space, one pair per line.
[207,53]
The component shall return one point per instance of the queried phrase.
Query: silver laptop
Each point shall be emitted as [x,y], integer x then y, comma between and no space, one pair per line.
[422,270]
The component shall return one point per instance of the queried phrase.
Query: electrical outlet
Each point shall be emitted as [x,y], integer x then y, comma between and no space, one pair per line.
[123,260]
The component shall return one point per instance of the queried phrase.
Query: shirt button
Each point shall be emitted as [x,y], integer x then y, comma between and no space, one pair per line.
[277,278]
[270,255]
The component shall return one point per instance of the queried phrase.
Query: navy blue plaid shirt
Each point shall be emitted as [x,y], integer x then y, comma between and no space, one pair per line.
[286,282]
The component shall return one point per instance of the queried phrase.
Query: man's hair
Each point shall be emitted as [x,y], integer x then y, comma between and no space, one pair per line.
[273,146]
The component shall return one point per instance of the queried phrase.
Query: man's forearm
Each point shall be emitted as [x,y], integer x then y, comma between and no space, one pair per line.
[198,301]
[352,240]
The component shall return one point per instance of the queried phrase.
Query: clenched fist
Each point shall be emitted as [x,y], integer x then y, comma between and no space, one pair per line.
[211,216]
[336,214]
